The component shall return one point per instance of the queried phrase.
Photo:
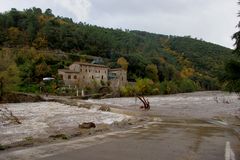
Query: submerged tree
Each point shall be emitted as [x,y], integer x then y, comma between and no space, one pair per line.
[146,104]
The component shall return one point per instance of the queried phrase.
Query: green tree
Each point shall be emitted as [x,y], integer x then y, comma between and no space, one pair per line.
[152,72]
[144,86]
[15,36]
[232,76]
[232,68]
[9,73]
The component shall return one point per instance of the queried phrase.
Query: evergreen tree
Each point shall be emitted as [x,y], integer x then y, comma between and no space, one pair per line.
[232,68]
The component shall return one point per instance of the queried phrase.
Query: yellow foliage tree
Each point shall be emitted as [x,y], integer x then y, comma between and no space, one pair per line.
[123,63]
[186,72]
[40,41]
[9,73]
[15,36]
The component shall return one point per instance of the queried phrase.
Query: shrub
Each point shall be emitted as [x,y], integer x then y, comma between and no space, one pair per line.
[144,86]
[32,88]
[187,85]
[148,87]
[232,86]
[2,147]
[127,91]
[168,87]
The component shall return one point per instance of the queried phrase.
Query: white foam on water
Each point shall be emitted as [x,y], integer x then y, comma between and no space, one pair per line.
[43,118]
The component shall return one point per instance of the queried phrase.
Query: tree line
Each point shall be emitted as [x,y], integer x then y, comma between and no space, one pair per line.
[39,43]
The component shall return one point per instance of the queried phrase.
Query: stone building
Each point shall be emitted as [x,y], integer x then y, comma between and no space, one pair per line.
[86,74]
[117,77]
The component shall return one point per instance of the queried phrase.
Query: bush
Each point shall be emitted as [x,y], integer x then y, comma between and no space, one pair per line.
[168,87]
[2,147]
[187,85]
[30,88]
[148,87]
[144,86]
[127,91]
[232,86]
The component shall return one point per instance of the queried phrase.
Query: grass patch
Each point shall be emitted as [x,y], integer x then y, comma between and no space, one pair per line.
[2,147]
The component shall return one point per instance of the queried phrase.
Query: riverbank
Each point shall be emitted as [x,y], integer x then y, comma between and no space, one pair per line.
[15,97]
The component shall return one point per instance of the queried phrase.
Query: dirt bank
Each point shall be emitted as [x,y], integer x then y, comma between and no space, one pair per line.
[20,97]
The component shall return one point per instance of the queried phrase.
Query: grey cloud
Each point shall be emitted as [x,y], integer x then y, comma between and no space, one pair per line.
[145,6]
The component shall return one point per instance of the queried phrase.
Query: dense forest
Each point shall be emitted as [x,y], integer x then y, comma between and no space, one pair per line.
[231,74]
[35,43]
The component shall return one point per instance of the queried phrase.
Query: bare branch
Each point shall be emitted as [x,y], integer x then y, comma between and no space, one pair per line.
[8,115]
[145,103]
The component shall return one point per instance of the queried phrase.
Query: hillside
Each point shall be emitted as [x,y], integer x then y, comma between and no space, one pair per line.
[40,43]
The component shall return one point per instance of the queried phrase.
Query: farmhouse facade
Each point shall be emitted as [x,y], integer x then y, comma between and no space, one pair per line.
[86,74]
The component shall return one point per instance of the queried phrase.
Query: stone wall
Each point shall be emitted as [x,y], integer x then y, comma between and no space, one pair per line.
[84,74]
[118,78]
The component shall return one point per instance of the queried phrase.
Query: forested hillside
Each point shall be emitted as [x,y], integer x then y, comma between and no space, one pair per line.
[39,43]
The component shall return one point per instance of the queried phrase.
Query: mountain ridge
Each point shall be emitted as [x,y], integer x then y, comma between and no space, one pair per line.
[175,57]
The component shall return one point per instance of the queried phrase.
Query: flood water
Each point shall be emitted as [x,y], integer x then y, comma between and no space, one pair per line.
[193,105]
[191,126]
[42,119]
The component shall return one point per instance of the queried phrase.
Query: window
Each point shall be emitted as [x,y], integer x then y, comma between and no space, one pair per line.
[83,77]
[92,77]
[80,70]
[75,76]
[102,77]
[86,70]
[61,76]
[69,76]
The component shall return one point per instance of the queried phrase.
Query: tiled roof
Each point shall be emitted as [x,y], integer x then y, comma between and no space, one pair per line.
[116,69]
[67,71]
[90,64]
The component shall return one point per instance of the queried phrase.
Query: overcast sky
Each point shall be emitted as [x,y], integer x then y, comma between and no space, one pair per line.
[212,20]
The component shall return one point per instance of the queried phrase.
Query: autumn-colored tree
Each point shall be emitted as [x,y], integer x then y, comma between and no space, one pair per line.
[9,73]
[14,36]
[123,63]
[42,70]
[40,41]
[186,72]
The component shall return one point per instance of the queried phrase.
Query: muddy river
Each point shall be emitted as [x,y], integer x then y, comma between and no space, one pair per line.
[191,105]
[43,119]
[190,126]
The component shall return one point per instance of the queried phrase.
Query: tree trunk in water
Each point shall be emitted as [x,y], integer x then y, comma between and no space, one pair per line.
[145,103]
